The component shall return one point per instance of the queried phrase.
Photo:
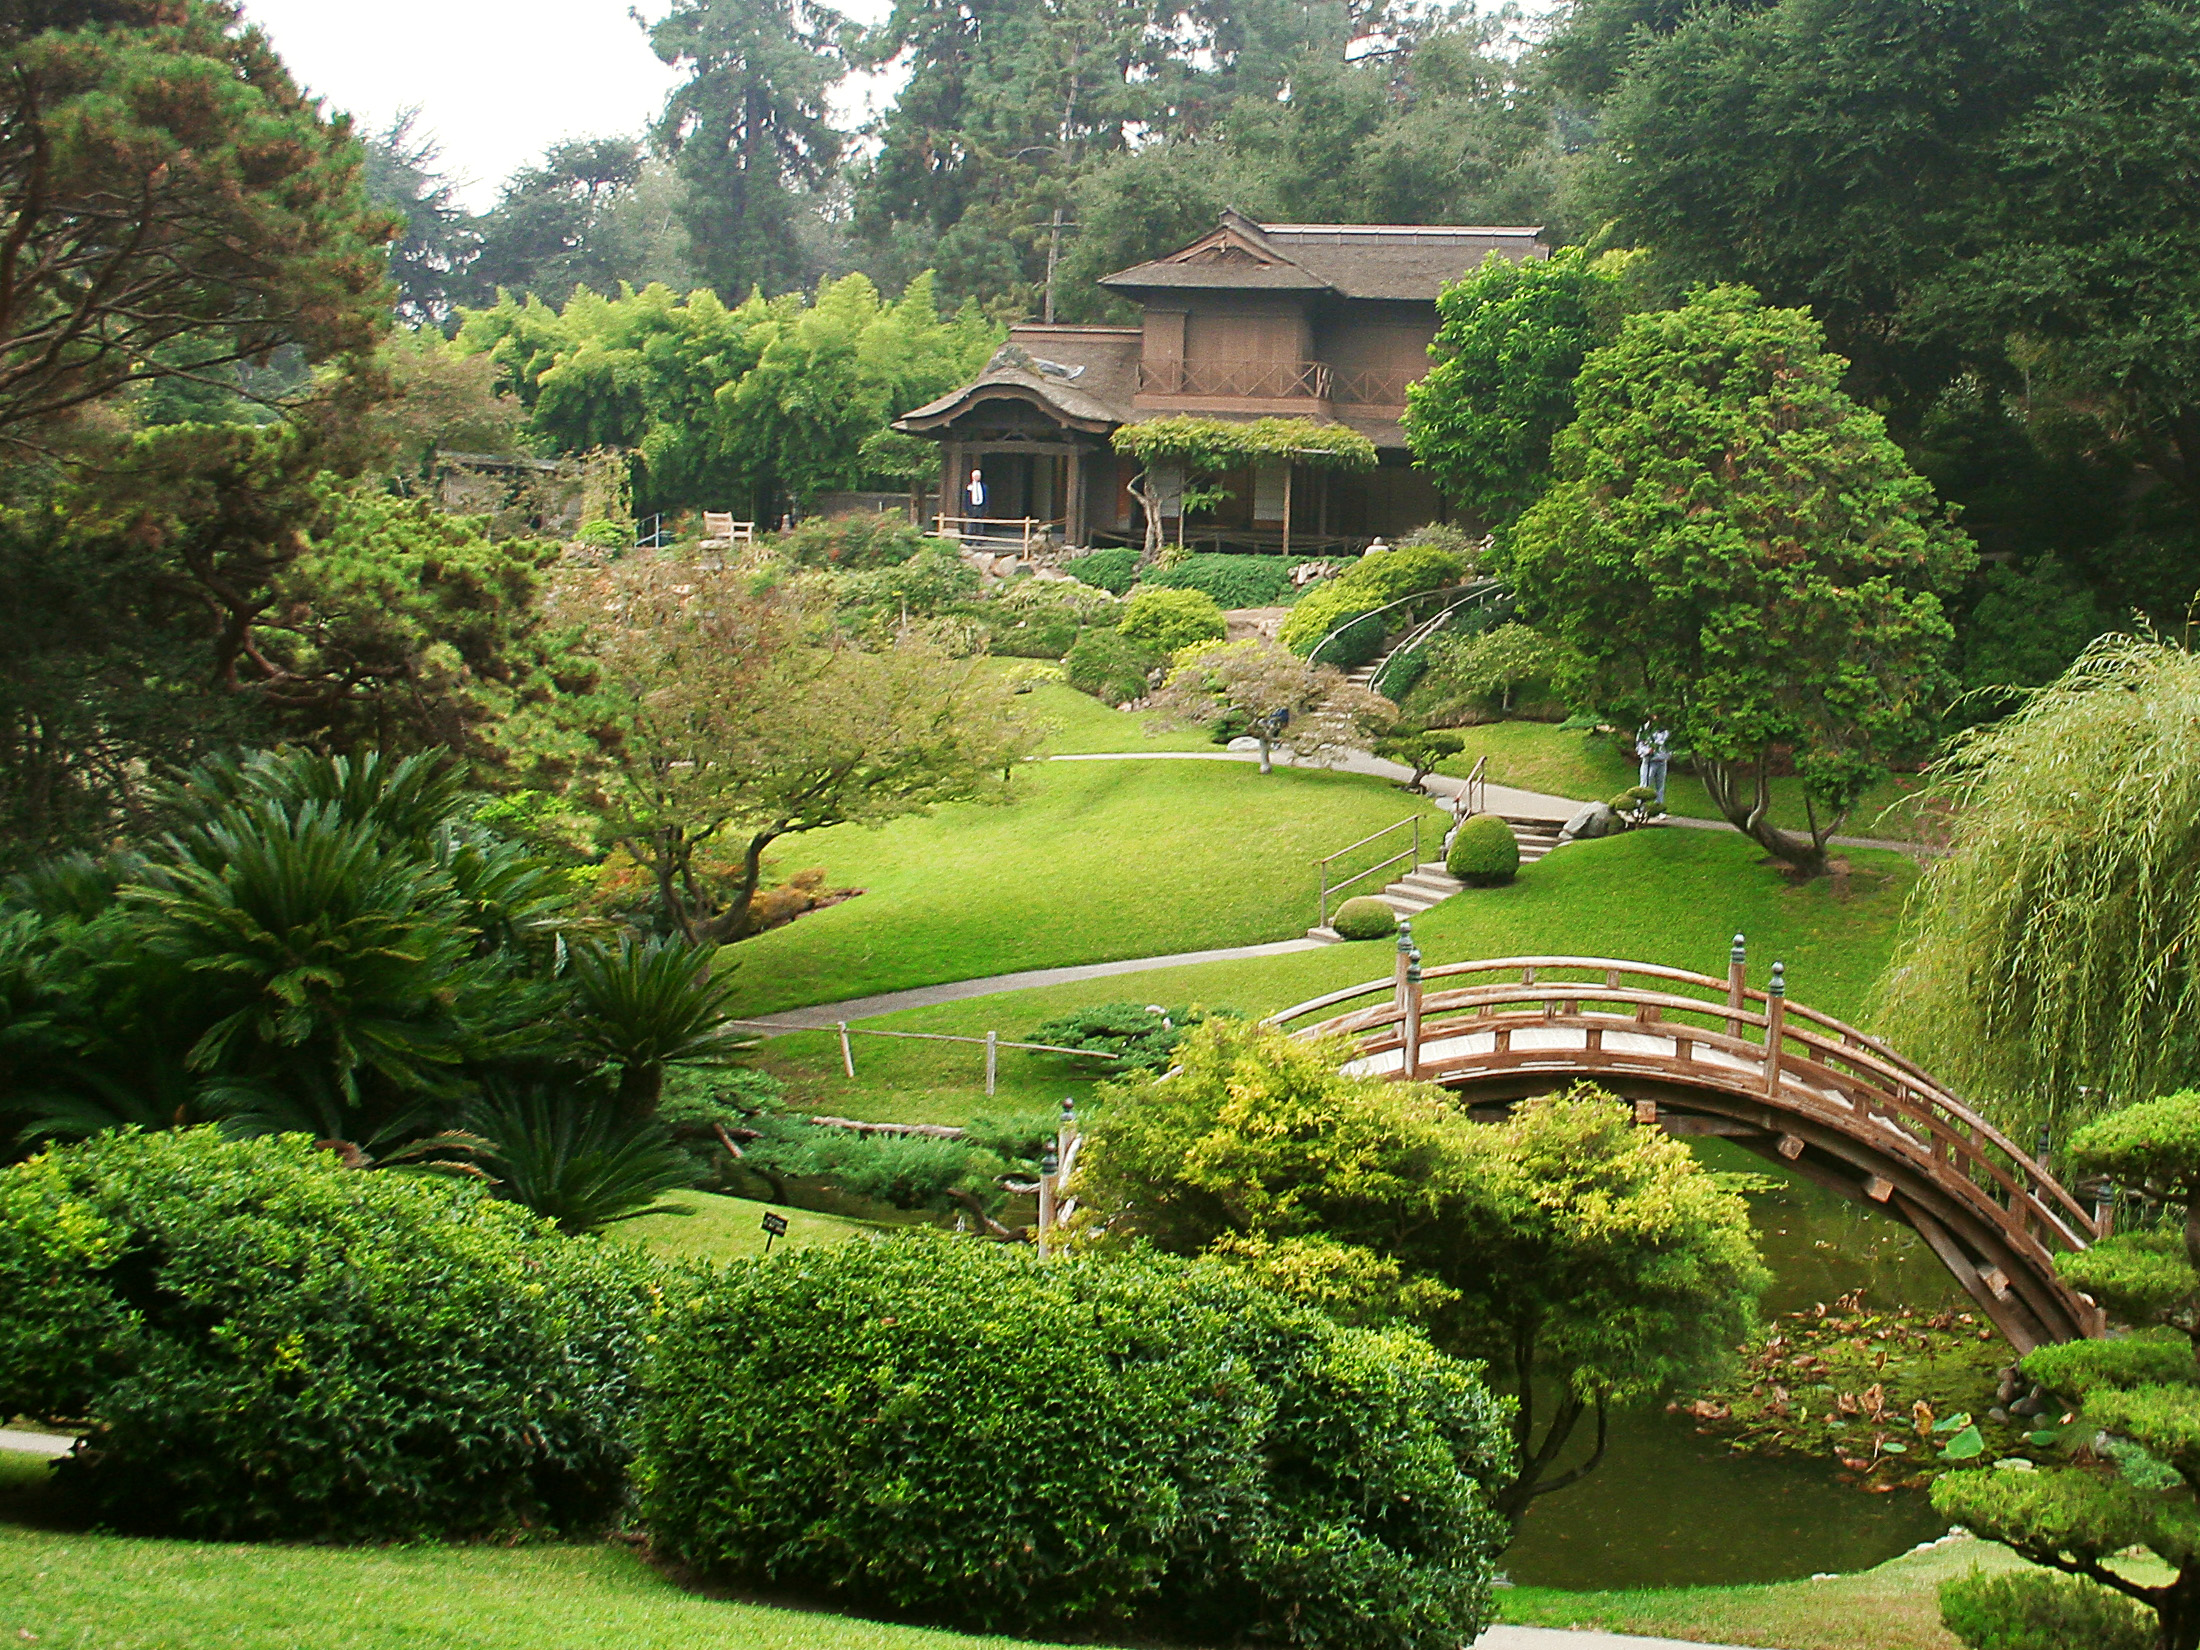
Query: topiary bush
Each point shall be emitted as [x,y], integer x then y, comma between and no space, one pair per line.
[1484,852]
[1233,581]
[2036,1610]
[1110,666]
[958,1432]
[853,543]
[262,1343]
[1114,571]
[1166,619]
[1365,918]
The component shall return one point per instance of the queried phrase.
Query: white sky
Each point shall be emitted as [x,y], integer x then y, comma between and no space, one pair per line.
[497,81]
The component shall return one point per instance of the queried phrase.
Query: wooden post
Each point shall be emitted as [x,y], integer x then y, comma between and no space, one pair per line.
[847,1051]
[1413,1016]
[1775,1028]
[2104,1210]
[1073,512]
[1046,1203]
[992,1061]
[1405,959]
[1737,982]
[1287,468]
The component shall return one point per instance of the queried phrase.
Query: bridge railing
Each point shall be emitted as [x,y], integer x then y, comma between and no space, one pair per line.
[1802,1057]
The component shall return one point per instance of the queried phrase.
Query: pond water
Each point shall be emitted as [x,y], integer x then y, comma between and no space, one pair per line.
[1668,1508]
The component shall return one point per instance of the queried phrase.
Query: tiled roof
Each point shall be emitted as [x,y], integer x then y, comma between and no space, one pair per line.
[1096,378]
[1353,260]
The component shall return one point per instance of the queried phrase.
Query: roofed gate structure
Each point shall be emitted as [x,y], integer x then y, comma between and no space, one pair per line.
[1322,321]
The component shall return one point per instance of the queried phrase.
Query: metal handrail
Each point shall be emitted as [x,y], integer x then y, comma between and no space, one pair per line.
[1321,866]
[1480,585]
[1477,789]
[1421,636]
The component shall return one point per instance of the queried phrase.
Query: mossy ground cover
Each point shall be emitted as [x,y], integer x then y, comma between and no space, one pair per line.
[1540,756]
[1671,896]
[1088,862]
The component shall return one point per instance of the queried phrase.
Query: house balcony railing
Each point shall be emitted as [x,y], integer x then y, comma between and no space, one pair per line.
[1237,380]
[1277,381]
[1377,387]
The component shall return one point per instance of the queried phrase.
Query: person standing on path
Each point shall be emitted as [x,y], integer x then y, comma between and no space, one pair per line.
[1653,748]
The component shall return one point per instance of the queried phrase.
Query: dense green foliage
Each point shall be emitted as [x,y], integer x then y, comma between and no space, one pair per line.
[2043,1612]
[1510,341]
[1484,852]
[176,206]
[1374,581]
[1207,1455]
[2125,1473]
[266,1344]
[1139,1036]
[1736,548]
[1365,918]
[852,544]
[1111,570]
[1165,619]
[1111,666]
[1576,1251]
[2044,960]
[739,406]
[1233,581]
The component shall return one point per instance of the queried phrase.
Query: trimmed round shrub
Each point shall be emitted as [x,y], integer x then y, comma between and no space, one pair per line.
[1484,852]
[2034,1610]
[1166,619]
[263,1343]
[957,1432]
[1233,581]
[1111,570]
[853,543]
[1365,918]
[1110,666]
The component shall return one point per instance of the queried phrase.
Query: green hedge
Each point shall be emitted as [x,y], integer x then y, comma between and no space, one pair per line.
[1365,918]
[1483,852]
[1110,666]
[958,1432]
[1233,581]
[1111,570]
[266,1344]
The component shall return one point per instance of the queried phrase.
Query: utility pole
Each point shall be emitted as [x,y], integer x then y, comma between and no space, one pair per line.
[1054,256]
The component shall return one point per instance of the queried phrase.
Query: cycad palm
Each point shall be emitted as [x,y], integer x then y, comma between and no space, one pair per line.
[648,1006]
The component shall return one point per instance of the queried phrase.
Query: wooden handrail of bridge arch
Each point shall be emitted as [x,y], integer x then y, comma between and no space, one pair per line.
[1992,1213]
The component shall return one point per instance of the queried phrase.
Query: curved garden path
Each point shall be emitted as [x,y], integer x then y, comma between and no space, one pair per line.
[1503,799]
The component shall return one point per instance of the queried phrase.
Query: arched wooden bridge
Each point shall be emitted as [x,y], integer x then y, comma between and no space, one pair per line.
[1703,1056]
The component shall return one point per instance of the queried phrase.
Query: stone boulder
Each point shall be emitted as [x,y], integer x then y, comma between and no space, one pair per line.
[1590,821]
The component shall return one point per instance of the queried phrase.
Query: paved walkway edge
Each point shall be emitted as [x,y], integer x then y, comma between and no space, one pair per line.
[35,1443]
[824,1016]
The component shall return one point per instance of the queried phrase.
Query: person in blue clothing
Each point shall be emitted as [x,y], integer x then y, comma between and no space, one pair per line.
[1653,748]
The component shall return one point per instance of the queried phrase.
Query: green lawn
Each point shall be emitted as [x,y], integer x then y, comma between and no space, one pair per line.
[1078,722]
[728,1228]
[1090,861]
[67,1590]
[1537,756]
[1670,896]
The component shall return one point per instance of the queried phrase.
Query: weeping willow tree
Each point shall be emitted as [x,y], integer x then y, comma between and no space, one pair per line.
[2049,965]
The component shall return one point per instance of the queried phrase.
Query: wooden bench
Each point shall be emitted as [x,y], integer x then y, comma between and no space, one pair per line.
[722,532]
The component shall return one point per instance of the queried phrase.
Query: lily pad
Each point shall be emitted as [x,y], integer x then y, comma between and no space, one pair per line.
[1967,1445]
[1953,1423]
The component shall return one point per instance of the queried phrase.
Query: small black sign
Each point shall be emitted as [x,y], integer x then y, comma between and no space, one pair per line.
[776,1225]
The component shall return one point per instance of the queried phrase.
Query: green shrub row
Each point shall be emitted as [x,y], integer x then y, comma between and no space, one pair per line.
[265,1344]
[960,1432]
[853,543]
[1114,571]
[1110,666]
[1166,619]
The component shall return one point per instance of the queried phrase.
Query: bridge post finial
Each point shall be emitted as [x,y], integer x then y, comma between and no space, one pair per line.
[1740,951]
[1405,950]
[1775,1028]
